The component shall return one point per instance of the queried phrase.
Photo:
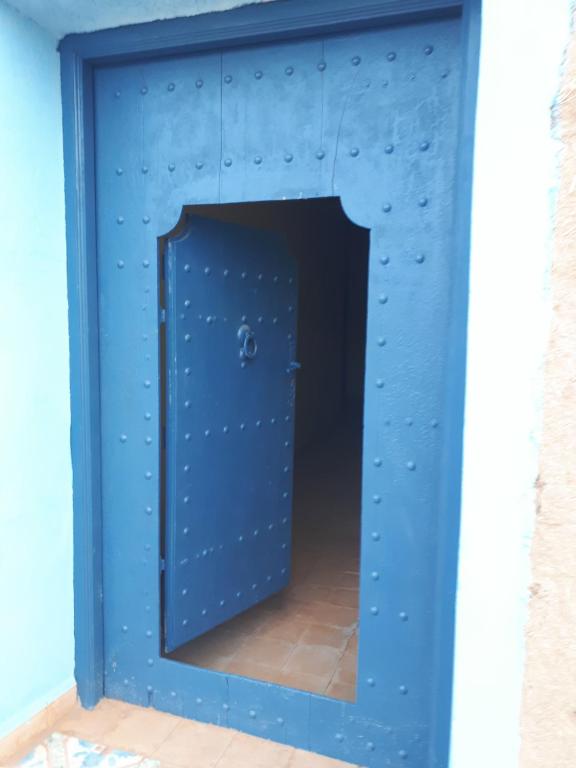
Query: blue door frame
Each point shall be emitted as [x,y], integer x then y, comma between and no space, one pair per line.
[81,56]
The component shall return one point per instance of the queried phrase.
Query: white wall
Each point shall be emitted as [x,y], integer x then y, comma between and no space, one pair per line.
[515,180]
[64,16]
[36,635]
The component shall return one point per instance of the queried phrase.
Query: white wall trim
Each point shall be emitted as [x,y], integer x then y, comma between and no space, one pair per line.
[515,180]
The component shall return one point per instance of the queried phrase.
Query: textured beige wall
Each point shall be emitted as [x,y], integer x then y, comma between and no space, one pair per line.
[548,724]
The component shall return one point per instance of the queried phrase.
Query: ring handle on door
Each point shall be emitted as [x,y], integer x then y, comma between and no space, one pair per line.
[248,345]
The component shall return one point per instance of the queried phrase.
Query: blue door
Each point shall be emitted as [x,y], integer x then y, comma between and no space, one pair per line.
[369,115]
[230,343]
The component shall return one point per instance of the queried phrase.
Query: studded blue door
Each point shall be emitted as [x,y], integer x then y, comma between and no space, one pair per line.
[230,344]
[369,116]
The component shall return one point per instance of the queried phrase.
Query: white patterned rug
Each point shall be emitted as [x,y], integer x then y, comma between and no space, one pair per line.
[59,751]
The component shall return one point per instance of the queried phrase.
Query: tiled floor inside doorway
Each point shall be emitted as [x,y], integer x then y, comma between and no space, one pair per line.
[307,636]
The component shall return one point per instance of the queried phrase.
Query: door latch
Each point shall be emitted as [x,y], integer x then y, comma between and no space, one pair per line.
[248,345]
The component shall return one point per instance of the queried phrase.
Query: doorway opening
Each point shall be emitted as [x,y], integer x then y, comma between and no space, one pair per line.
[305,636]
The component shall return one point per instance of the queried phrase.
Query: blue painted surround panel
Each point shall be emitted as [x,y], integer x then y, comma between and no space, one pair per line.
[371,117]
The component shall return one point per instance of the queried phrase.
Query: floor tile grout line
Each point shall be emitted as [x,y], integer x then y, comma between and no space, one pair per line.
[220,757]
[340,659]
[336,667]
[178,722]
[290,655]
[231,733]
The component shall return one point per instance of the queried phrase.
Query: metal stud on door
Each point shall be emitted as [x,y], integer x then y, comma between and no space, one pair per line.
[230,344]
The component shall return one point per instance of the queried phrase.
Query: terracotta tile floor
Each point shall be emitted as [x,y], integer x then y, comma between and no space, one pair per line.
[175,742]
[307,636]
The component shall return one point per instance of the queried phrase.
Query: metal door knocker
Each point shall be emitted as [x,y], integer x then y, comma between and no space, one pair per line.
[248,346]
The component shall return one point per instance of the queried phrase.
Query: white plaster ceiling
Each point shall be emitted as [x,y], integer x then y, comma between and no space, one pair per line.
[61,17]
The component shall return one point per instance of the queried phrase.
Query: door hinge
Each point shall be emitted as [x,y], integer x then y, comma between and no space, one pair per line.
[162,565]
[293,366]
[162,315]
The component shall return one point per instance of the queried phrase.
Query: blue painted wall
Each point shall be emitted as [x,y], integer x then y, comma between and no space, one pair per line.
[36,638]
